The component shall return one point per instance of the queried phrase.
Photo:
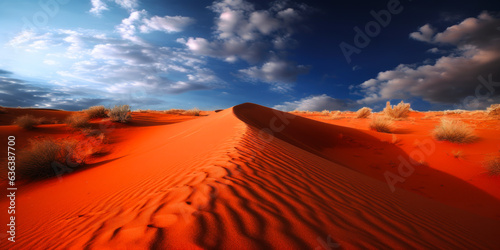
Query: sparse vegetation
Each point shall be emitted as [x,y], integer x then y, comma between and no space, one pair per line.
[193,112]
[173,111]
[457,154]
[333,115]
[381,124]
[26,121]
[3,110]
[77,121]
[363,112]
[402,110]
[493,166]
[96,112]
[455,111]
[120,113]
[325,112]
[46,158]
[454,131]
[494,110]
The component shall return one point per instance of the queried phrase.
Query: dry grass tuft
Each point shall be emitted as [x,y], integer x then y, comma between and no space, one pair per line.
[77,121]
[494,110]
[381,124]
[120,113]
[27,121]
[363,112]
[457,154]
[96,112]
[334,115]
[174,111]
[402,110]
[193,112]
[454,131]
[325,112]
[47,158]
[493,166]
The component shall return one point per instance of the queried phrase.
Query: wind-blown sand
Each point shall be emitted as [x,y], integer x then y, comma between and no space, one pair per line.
[222,181]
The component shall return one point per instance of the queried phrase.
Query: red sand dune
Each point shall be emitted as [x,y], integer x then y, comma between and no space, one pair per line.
[222,181]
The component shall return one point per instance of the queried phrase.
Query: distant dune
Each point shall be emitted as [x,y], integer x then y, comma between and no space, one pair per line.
[251,177]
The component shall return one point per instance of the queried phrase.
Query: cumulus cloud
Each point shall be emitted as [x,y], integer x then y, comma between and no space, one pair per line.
[255,36]
[424,33]
[98,6]
[316,103]
[246,33]
[124,65]
[450,78]
[129,26]
[167,24]
[139,21]
[128,4]
[275,71]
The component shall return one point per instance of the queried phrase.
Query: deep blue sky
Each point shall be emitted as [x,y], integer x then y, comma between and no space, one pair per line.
[283,54]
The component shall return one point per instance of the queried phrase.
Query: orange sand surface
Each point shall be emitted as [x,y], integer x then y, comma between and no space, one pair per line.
[251,177]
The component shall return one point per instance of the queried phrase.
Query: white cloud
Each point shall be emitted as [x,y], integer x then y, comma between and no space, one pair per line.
[275,71]
[167,24]
[315,103]
[424,33]
[128,27]
[32,41]
[450,78]
[121,64]
[255,36]
[98,6]
[128,4]
[242,32]
[139,21]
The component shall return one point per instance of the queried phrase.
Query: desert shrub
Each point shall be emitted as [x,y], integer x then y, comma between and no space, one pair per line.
[47,157]
[96,112]
[194,112]
[325,112]
[363,112]
[43,120]
[402,110]
[77,121]
[173,111]
[26,121]
[381,124]
[120,113]
[493,166]
[3,110]
[494,110]
[453,131]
